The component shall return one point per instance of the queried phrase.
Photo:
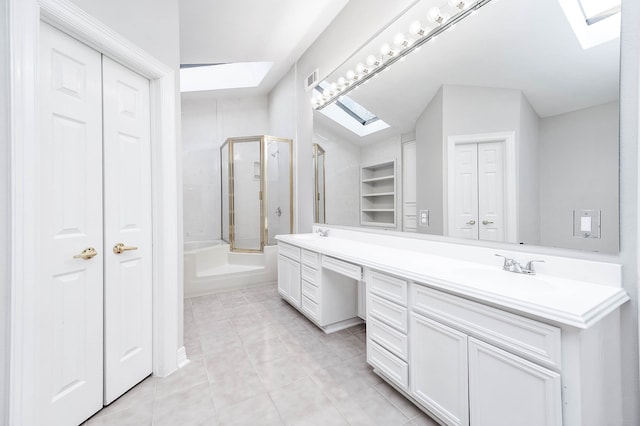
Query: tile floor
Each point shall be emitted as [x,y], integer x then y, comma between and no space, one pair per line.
[255,360]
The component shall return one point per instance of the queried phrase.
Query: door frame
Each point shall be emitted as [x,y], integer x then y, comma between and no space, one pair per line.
[510,176]
[24,19]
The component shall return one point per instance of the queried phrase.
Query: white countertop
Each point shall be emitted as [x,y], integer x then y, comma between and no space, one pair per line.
[565,301]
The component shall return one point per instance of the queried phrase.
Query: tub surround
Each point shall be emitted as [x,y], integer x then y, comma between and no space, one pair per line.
[211,268]
[462,339]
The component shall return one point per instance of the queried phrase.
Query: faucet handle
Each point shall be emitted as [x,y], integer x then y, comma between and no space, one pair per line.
[507,262]
[529,266]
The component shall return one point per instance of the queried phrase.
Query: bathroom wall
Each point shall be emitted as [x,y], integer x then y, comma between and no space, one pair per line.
[571,146]
[342,191]
[528,192]
[207,122]
[463,110]
[329,50]
[429,127]
[5,224]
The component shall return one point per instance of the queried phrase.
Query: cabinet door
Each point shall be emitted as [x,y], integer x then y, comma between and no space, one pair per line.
[289,285]
[438,369]
[505,389]
[283,276]
[295,283]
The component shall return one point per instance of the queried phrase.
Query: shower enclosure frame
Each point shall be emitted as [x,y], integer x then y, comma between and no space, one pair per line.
[263,193]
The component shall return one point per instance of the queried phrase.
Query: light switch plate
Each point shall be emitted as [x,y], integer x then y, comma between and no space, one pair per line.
[586,223]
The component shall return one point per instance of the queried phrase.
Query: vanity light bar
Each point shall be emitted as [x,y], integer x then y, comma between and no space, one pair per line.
[402,48]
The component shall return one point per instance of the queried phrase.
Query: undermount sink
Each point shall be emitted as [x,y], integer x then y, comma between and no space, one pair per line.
[500,279]
[311,236]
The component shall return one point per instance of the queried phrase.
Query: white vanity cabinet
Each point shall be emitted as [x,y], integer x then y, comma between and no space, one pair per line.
[323,288]
[289,284]
[467,380]
[387,326]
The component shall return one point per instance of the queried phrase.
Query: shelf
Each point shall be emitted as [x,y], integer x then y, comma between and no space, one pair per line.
[378,179]
[378,194]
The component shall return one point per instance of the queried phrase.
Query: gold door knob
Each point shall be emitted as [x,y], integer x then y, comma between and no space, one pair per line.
[86,254]
[121,248]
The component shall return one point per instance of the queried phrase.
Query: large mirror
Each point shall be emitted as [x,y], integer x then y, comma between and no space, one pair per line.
[504,128]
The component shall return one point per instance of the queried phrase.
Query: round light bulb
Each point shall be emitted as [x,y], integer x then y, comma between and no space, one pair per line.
[433,14]
[416,28]
[399,40]
[341,81]
[360,68]
[334,87]
[350,75]
[457,4]
[371,60]
[385,49]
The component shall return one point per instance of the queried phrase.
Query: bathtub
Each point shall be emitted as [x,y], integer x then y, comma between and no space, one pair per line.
[209,267]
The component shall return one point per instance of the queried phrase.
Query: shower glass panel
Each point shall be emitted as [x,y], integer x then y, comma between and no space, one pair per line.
[224,191]
[256,191]
[279,218]
[246,227]
[318,184]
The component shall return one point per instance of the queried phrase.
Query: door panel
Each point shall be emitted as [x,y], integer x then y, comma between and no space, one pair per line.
[466,191]
[491,191]
[69,290]
[438,374]
[506,390]
[127,220]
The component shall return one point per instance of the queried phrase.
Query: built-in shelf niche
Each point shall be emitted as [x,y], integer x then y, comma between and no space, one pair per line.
[378,194]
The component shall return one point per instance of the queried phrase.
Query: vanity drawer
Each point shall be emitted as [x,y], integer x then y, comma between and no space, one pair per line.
[310,274]
[310,308]
[288,250]
[531,339]
[390,339]
[310,258]
[387,312]
[342,267]
[392,288]
[311,291]
[387,363]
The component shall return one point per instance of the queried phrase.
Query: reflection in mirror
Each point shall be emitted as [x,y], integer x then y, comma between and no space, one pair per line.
[318,184]
[512,126]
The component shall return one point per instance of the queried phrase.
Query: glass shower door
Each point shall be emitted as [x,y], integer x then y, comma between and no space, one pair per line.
[279,183]
[245,202]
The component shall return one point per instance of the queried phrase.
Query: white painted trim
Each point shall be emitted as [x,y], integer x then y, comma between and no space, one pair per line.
[182,357]
[511,177]
[25,16]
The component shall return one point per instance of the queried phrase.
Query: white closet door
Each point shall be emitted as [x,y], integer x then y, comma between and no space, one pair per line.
[466,191]
[127,216]
[491,191]
[69,290]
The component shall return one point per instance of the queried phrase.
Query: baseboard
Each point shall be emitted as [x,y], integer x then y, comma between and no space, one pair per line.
[182,357]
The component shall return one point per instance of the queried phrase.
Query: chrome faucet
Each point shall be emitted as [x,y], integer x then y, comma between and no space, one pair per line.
[323,232]
[513,265]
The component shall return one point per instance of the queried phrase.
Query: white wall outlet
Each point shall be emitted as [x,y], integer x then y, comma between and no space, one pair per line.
[586,223]
[424,217]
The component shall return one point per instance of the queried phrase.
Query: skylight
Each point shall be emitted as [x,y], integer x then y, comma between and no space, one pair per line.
[593,21]
[596,10]
[201,77]
[351,115]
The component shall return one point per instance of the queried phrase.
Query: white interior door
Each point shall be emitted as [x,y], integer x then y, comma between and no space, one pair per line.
[491,191]
[69,289]
[479,191]
[127,221]
[466,191]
